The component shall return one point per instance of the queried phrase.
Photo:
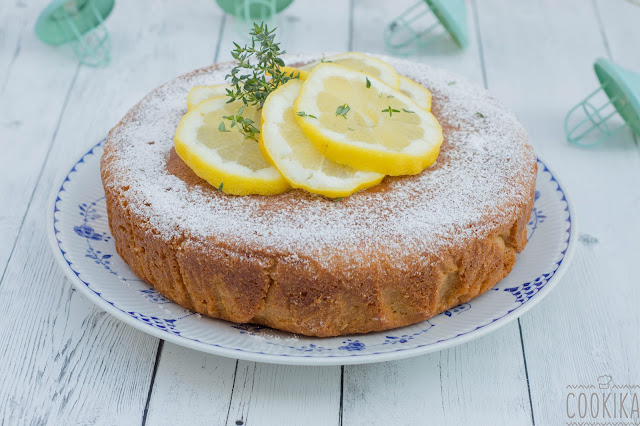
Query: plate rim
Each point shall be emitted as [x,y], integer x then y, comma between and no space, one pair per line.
[328,360]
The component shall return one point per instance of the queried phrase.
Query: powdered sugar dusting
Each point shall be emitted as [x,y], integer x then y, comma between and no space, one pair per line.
[469,190]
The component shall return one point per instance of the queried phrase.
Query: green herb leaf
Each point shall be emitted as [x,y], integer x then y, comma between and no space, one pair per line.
[256,74]
[478,114]
[368,83]
[325,61]
[406,110]
[451,83]
[343,110]
[244,124]
[353,130]
[390,110]
[222,128]
[335,200]
[220,187]
[304,114]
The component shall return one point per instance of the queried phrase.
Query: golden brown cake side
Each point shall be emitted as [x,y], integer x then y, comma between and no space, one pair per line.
[335,286]
[302,297]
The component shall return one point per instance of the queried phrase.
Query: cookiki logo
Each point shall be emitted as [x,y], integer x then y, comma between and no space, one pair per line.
[603,403]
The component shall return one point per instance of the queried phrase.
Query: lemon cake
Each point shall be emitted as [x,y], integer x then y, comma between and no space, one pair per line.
[393,254]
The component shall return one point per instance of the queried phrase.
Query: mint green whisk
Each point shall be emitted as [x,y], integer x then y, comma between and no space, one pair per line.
[592,120]
[81,24]
[416,27]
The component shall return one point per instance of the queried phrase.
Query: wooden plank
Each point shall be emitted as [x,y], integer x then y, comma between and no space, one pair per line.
[31,103]
[482,382]
[589,325]
[264,392]
[619,25]
[269,394]
[63,360]
[315,26]
[196,389]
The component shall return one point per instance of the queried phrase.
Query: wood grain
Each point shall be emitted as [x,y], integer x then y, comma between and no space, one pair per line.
[32,100]
[440,388]
[619,26]
[191,388]
[443,387]
[62,361]
[585,328]
[269,394]
[65,361]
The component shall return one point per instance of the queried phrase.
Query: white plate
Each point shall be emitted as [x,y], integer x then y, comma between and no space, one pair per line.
[85,249]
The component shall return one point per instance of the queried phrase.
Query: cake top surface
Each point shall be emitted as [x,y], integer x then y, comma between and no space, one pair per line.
[480,179]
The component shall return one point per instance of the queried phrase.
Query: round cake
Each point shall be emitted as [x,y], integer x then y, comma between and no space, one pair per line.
[395,254]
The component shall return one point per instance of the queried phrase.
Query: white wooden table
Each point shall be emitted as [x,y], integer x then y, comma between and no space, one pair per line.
[63,361]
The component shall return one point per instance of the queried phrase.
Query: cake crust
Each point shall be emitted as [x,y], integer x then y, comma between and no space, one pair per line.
[390,256]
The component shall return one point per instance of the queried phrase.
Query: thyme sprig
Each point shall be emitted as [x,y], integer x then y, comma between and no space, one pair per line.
[257,74]
[245,125]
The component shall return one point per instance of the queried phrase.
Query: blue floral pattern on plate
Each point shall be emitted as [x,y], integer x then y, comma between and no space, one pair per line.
[163,324]
[154,296]
[352,345]
[80,231]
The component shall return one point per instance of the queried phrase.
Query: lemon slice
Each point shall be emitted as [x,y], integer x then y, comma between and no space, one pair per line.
[199,94]
[296,157]
[226,159]
[418,93]
[366,124]
[369,65]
